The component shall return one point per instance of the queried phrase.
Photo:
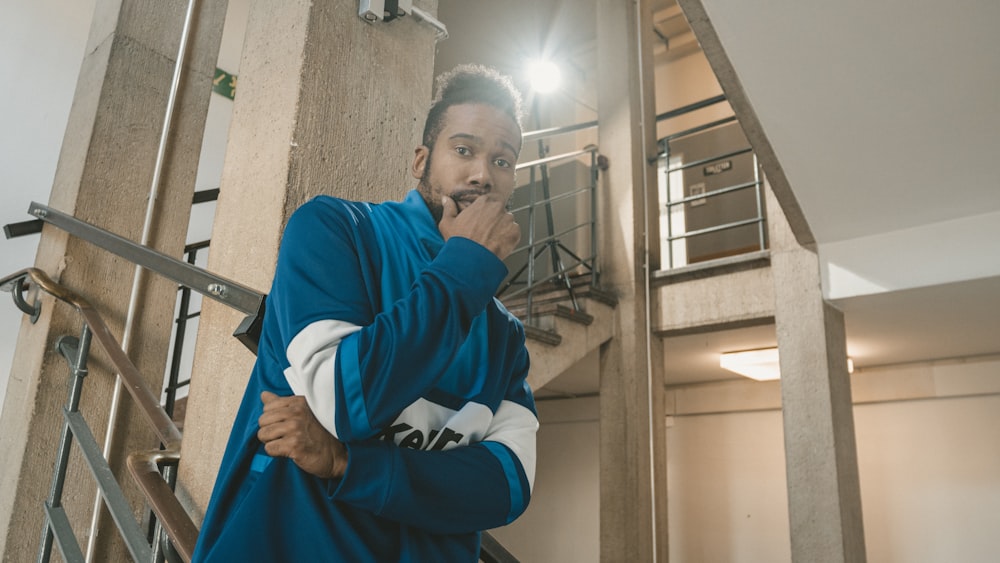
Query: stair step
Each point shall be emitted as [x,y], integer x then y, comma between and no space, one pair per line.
[603,296]
[545,309]
[569,313]
[581,283]
[549,337]
[549,294]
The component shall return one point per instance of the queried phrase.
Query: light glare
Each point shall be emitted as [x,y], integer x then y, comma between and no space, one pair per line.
[544,75]
[761,365]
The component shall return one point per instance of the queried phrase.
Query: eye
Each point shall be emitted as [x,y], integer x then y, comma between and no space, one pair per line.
[502,163]
[464,151]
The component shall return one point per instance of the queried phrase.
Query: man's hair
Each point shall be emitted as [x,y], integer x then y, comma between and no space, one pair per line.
[471,84]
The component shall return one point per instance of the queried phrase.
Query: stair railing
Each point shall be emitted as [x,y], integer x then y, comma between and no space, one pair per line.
[563,261]
[145,467]
[714,160]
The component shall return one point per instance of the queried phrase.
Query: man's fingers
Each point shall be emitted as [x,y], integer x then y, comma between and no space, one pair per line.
[449,208]
[273,403]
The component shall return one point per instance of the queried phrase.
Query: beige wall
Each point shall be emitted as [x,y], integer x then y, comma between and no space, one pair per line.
[682,81]
[930,475]
[562,522]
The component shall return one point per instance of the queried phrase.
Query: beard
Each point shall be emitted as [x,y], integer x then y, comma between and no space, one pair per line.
[424,187]
[460,197]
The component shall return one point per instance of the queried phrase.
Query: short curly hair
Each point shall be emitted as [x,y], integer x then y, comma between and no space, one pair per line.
[471,84]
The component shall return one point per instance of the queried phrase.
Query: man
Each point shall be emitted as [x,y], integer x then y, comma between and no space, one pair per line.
[387,417]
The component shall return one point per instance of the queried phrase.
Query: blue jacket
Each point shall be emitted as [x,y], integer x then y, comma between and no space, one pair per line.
[395,339]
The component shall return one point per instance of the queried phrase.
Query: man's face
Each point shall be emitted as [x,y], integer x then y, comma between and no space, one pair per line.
[474,155]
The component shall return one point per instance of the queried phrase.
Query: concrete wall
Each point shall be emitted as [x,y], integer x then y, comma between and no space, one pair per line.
[41,47]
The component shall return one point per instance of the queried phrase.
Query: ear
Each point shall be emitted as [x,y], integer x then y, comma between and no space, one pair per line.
[420,155]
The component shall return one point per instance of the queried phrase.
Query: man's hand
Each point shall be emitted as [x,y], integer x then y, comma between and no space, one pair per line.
[486,221]
[289,429]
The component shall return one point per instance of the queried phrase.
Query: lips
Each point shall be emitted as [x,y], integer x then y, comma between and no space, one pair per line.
[465,198]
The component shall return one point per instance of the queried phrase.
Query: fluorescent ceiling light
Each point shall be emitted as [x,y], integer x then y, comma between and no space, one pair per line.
[761,364]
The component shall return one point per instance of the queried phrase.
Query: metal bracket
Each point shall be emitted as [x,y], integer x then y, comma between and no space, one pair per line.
[384,10]
[30,309]
[372,11]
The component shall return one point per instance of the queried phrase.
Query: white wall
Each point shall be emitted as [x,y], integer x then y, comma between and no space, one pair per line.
[562,522]
[727,498]
[930,479]
[41,47]
[929,468]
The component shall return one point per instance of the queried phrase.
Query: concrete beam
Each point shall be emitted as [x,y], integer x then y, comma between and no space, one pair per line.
[824,492]
[632,447]
[737,299]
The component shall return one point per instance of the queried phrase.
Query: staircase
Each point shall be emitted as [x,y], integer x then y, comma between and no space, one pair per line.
[558,336]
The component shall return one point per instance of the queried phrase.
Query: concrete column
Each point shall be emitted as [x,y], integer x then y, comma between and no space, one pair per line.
[104,176]
[824,494]
[327,104]
[632,443]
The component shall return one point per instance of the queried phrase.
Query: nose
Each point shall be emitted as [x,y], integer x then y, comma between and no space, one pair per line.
[480,174]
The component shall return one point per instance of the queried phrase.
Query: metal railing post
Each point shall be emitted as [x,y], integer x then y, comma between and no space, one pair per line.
[531,243]
[760,204]
[76,351]
[670,210]
[179,334]
[593,217]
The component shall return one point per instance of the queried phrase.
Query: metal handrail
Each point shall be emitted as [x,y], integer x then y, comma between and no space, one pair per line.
[553,199]
[551,159]
[229,292]
[213,286]
[677,112]
[162,501]
[553,131]
[713,193]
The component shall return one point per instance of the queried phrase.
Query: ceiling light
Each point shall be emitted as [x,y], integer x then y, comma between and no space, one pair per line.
[761,364]
[544,76]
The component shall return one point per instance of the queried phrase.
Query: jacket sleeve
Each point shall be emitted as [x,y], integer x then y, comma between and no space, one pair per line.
[358,369]
[458,490]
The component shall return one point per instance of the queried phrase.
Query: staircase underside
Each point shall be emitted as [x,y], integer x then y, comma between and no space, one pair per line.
[559,337]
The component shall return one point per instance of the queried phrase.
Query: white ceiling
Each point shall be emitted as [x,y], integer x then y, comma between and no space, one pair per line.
[884,115]
[885,119]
